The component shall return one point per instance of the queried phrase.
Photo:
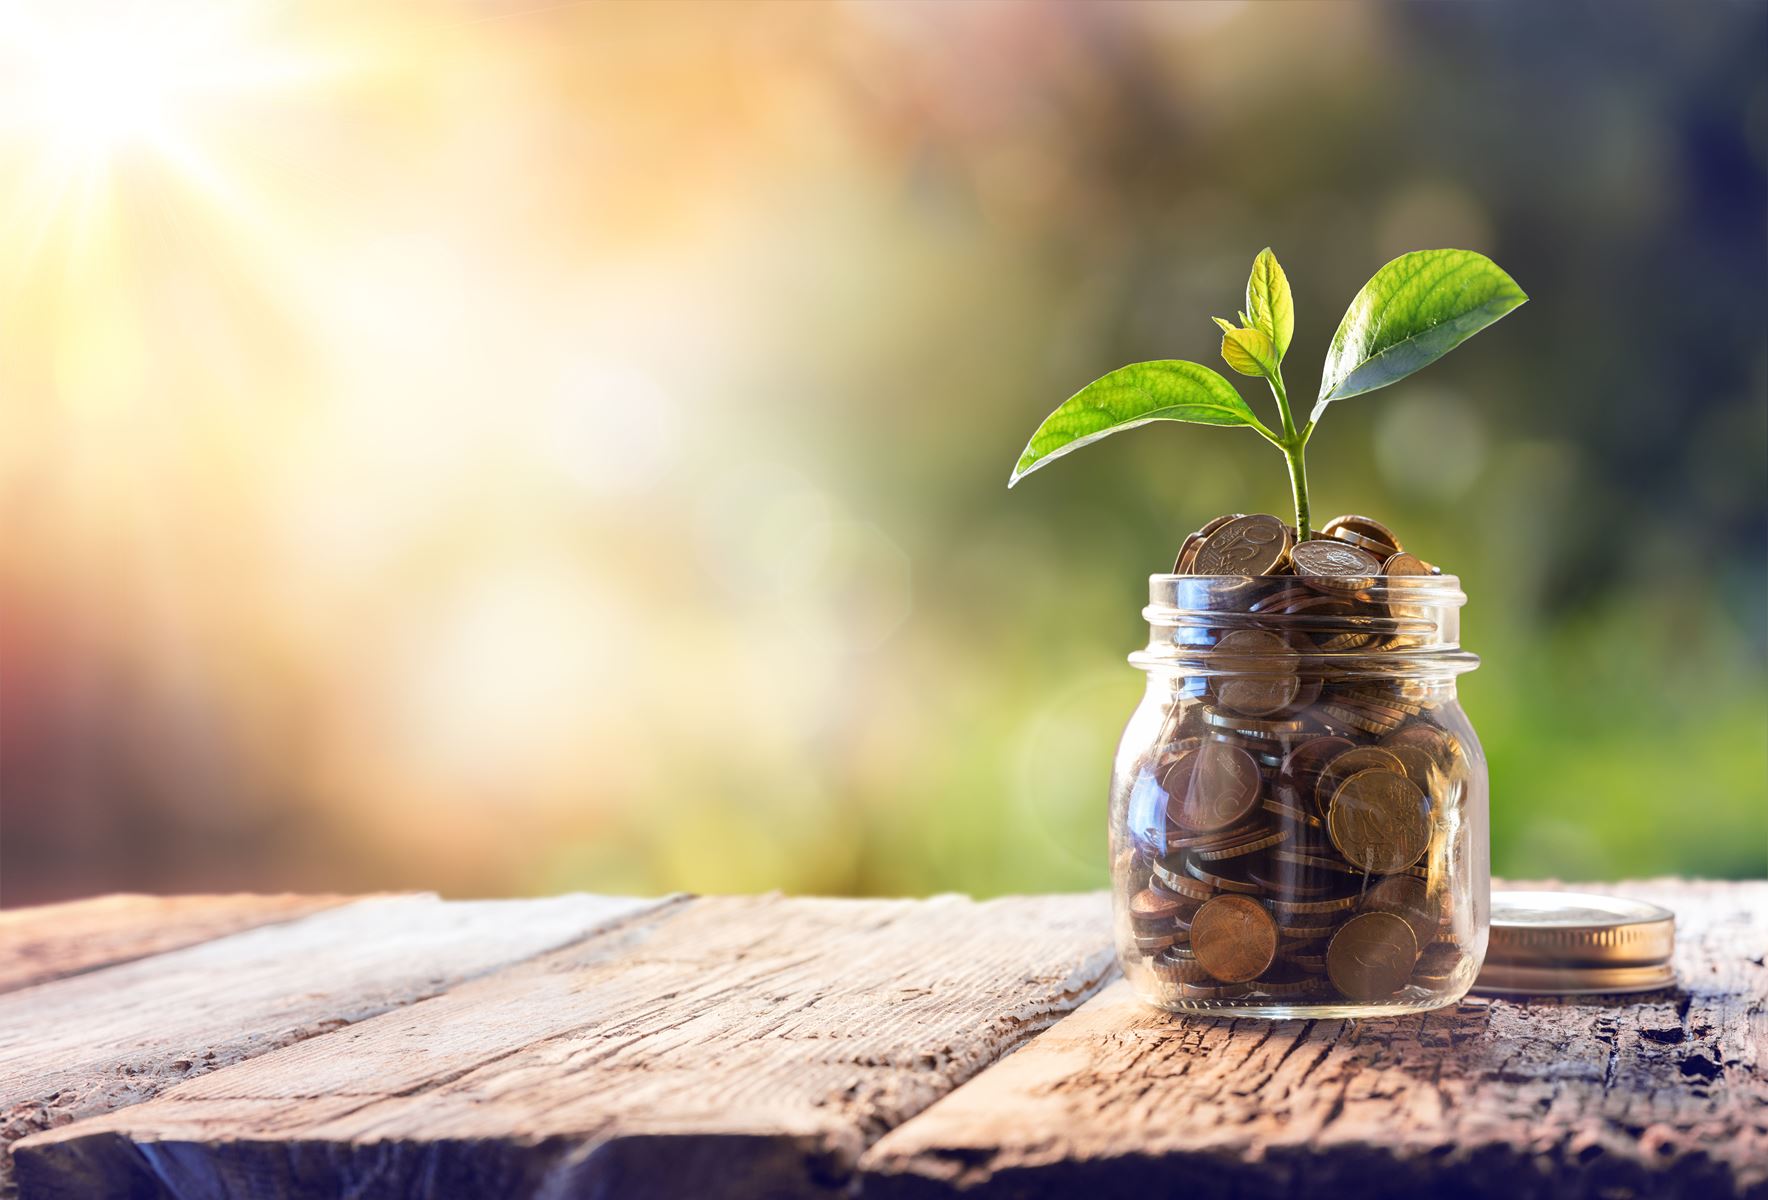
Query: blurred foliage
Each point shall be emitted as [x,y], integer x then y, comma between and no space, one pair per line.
[364,596]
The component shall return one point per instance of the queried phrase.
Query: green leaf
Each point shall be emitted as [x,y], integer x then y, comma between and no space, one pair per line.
[1227,326]
[1270,302]
[1416,309]
[1169,390]
[1249,352]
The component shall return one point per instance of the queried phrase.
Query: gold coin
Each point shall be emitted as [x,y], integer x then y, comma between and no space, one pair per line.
[1434,740]
[1335,566]
[1378,820]
[1234,938]
[1343,766]
[1404,564]
[1254,545]
[1364,532]
[1258,672]
[1371,956]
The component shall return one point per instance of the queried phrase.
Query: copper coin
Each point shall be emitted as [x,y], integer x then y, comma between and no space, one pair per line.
[1234,938]
[1169,968]
[1258,672]
[1220,880]
[1188,551]
[1437,964]
[1402,563]
[1366,532]
[1343,766]
[1264,840]
[1172,873]
[1289,908]
[1434,740]
[1371,956]
[1252,727]
[1150,905]
[1254,545]
[1406,898]
[1335,566]
[1301,769]
[1379,820]
[1211,788]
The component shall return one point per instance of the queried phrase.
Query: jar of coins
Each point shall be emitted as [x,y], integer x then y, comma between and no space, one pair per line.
[1298,807]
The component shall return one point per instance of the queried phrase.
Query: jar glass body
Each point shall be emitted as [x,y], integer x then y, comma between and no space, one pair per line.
[1298,818]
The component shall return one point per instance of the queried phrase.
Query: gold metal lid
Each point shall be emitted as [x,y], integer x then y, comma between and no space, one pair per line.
[1576,944]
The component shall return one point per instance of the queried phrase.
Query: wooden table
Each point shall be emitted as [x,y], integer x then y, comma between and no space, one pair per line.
[589,1046]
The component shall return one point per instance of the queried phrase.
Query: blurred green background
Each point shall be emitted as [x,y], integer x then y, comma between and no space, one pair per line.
[576,455]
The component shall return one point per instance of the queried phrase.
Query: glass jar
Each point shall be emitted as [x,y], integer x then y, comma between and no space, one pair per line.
[1298,805]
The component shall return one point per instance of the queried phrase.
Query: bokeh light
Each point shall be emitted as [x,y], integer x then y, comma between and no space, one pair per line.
[506,449]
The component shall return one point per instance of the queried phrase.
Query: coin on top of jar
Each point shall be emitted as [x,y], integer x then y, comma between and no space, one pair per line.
[1365,533]
[1254,545]
[1334,566]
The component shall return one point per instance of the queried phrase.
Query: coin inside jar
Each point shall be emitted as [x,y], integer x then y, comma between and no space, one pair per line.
[1371,956]
[1334,566]
[1211,787]
[1254,545]
[1343,766]
[1234,938]
[1379,821]
[1258,672]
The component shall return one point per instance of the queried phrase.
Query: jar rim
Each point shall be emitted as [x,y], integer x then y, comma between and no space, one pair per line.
[1376,625]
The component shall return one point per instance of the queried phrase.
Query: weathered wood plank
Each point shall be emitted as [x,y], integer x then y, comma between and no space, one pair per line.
[1664,1094]
[110,1038]
[53,941]
[728,1047]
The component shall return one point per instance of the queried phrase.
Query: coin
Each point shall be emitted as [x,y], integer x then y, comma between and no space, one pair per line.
[1258,672]
[1286,908]
[1334,566]
[1240,849]
[1434,740]
[1173,873]
[1171,969]
[1215,991]
[1252,727]
[1188,551]
[1378,820]
[1221,882]
[1254,545]
[1364,532]
[1401,563]
[1234,938]
[1406,898]
[1371,956]
[1300,772]
[1342,767]
[1437,964]
[1151,907]
[1211,788]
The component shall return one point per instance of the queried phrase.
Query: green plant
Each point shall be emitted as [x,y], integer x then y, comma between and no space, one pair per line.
[1412,312]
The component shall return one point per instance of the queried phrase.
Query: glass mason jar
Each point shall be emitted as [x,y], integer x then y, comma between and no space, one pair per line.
[1298,806]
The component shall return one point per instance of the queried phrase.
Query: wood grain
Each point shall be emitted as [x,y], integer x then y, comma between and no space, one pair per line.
[726,1047]
[53,941]
[1659,1095]
[110,1038]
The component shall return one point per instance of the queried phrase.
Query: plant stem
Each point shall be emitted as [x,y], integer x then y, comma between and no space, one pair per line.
[1294,445]
[1293,453]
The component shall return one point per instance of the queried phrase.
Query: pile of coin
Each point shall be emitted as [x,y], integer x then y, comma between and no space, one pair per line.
[1290,834]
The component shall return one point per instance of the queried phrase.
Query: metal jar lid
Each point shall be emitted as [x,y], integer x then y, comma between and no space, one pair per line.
[1576,944]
